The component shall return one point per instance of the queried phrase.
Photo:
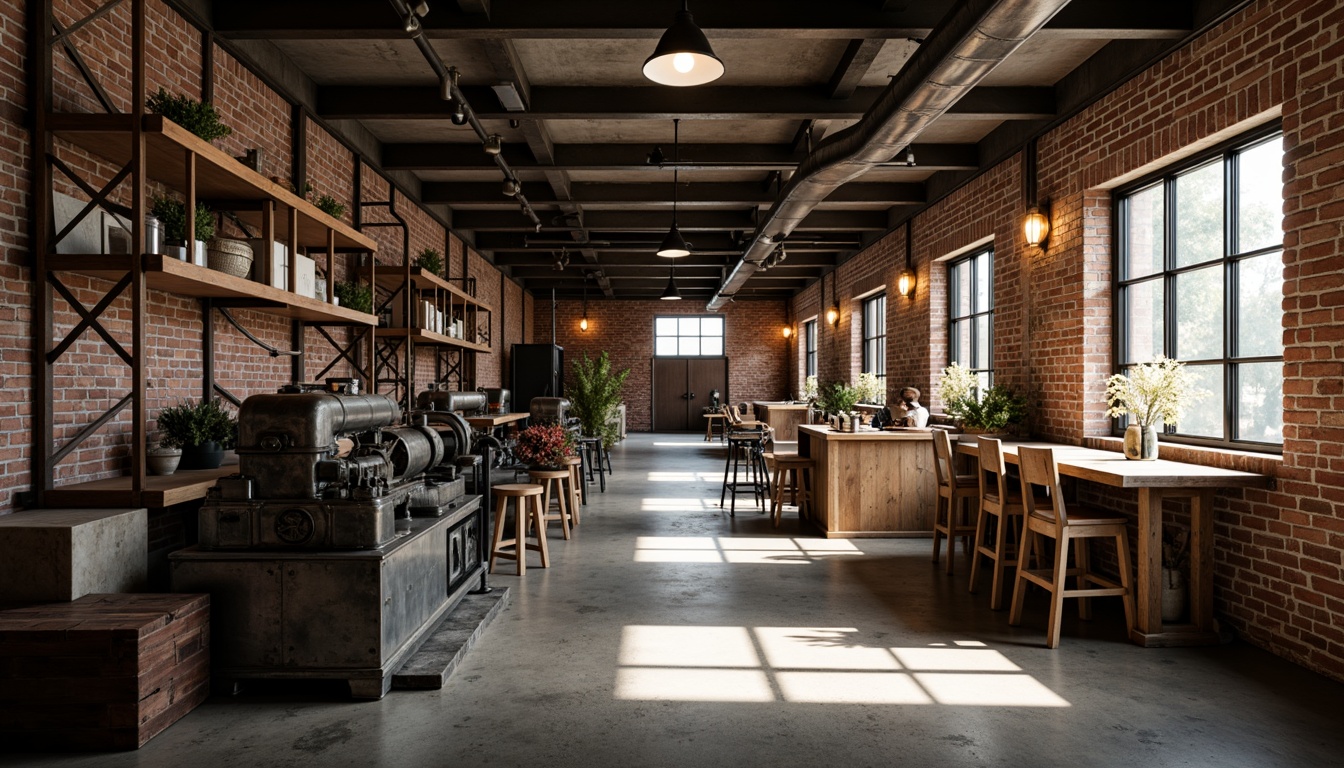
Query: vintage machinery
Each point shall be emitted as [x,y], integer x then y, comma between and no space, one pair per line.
[469,403]
[498,400]
[550,410]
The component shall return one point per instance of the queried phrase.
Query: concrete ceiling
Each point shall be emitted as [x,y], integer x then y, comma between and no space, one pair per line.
[794,69]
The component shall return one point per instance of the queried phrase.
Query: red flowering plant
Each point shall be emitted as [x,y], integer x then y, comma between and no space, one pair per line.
[544,445]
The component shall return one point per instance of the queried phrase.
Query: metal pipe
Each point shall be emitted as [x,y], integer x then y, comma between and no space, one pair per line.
[966,45]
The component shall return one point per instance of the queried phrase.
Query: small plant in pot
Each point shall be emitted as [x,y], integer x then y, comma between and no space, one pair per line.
[199,117]
[544,446]
[838,399]
[990,411]
[172,213]
[430,261]
[203,431]
[162,459]
[355,295]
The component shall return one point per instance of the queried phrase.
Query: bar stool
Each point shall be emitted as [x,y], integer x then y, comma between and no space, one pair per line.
[1000,500]
[575,466]
[555,479]
[527,504]
[716,422]
[1051,517]
[745,453]
[594,454]
[796,472]
[951,517]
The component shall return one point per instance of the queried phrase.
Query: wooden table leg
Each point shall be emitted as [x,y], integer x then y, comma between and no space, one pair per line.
[1149,630]
[1148,600]
[1201,562]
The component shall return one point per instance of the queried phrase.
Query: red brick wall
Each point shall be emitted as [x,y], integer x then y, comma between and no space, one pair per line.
[757,353]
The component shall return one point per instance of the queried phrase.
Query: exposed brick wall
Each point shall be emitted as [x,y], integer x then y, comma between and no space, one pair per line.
[757,354]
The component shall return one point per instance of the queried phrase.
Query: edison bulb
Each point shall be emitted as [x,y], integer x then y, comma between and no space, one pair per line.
[683,62]
[583,324]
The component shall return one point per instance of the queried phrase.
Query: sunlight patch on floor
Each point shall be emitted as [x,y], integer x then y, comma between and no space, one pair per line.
[815,665]
[684,477]
[739,549]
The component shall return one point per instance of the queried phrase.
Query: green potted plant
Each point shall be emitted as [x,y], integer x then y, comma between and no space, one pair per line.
[837,400]
[544,446]
[1150,394]
[198,117]
[986,412]
[203,430]
[430,261]
[330,206]
[595,395]
[355,295]
[172,213]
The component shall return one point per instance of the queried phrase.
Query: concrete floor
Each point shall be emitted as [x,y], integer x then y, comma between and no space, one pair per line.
[667,634]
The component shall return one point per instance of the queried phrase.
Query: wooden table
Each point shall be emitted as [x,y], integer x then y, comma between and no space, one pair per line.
[493,420]
[783,417]
[870,483]
[1156,481]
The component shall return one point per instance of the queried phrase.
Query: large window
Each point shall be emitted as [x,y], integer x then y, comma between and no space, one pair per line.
[810,348]
[1200,279]
[970,333]
[688,336]
[875,335]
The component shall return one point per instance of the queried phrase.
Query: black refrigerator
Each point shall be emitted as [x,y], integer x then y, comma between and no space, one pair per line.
[538,371]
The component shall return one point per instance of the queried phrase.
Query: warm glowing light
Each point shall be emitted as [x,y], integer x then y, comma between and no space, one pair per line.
[833,314]
[735,685]
[821,648]
[672,646]
[583,324]
[850,688]
[683,62]
[905,284]
[1036,226]
[734,549]
[955,659]
[788,331]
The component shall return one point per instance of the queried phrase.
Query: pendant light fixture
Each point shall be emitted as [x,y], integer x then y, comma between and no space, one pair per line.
[583,323]
[670,293]
[674,245]
[683,56]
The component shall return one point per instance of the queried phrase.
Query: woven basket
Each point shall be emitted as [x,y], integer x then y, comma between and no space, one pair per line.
[232,257]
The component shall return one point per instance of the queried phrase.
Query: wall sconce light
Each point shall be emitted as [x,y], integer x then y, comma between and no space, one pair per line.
[833,314]
[1036,225]
[905,283]
[788,331]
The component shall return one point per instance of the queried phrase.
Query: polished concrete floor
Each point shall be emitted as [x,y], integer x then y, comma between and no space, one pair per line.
[668,634]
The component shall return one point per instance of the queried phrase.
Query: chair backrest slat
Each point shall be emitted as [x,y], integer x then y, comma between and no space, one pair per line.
[942,458]
[1040,471]
[993,474]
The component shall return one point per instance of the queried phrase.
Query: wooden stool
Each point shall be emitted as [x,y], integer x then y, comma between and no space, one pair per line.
[797,472]
[951,518]
[1002,501]
[575,466]
[527,504]
[712,419]
[554,478]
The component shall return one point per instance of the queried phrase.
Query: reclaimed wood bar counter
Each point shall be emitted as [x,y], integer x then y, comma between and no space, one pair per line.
[871,483]
[784,417]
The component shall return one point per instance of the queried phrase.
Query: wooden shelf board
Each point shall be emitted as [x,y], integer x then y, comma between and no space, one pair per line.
[391,278]
[163,273]
[218,176]
[160,490]
[420,336]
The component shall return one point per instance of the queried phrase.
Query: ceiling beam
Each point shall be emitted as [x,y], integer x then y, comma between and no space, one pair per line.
[656,222]
[743,19]
[633,157]
[656,195]
[854,64]
[370,102]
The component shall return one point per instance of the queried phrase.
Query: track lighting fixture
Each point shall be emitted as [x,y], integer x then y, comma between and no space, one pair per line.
[683,56]
[493,144]
[910,155]
[674,245]
[511,187]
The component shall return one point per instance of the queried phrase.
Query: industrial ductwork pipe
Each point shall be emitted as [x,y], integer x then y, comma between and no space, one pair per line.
[966,45]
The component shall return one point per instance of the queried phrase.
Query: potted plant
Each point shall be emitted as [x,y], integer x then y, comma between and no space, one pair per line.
[595,395]
[198,117]
[1150,394]
[988,412]
[355,295]
[203,430]
[162,459]
[172,213]
[430,261]
[330,206]
[838,400]
[544,446]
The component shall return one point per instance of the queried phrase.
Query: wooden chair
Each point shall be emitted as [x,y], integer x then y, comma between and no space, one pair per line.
[553,483]
[1048,515]
[795,473]
[527,504]
[951,516]
[1001,500]
[575,466]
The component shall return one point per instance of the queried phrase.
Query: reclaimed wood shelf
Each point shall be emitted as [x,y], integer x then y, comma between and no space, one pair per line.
[422,336]
[160,490]
[219,177]
[392,277]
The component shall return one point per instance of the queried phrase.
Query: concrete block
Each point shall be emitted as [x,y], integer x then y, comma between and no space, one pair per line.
[65,554]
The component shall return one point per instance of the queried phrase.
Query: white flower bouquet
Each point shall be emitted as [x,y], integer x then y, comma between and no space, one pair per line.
[1152,393]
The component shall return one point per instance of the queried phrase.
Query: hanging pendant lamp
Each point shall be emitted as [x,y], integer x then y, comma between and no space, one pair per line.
[583,323]
[683,56]
[674,245]
[670,293]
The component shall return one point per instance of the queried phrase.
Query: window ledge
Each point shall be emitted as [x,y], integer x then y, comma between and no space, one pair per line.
[1223,458]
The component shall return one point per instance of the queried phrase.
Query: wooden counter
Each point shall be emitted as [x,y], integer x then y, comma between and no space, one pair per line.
[871,484]
[784,417]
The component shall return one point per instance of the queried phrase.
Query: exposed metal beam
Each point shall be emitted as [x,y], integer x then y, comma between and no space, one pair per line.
[653,195]
[633,157]
[854,64]
[746,19]
[691,221]
[370,102]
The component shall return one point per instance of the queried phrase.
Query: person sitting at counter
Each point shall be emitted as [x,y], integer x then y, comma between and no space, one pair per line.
[916,415]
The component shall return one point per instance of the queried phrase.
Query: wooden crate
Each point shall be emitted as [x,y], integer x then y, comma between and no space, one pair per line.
[102,672]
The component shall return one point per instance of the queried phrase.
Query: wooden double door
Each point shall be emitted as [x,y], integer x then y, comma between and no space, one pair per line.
[681,391]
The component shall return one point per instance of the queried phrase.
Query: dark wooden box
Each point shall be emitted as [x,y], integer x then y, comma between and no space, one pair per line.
[102,672]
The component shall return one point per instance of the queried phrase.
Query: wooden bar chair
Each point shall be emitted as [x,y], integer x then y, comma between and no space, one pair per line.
[793,472]
[951,513]
[575,466]
[554,484]
[526,504]
[1047,515]
[1002,501]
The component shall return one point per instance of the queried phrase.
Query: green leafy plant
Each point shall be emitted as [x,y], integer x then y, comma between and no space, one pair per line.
[204,422]
[595,395]
[871,389]
[1152,393]
[430,260]
[198,117]
[355,295]
[544,445]
[330,206]
[838,397]
[993,409]
[172,213]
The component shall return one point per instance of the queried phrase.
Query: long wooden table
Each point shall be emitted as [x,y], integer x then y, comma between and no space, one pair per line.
[1155,482]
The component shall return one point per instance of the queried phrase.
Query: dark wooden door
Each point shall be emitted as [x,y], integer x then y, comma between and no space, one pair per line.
[681,390]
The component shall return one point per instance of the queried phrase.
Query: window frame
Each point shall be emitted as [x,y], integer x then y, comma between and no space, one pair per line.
[810,348]
[723,338]
[986,374]
[1225,153]
[874,345]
